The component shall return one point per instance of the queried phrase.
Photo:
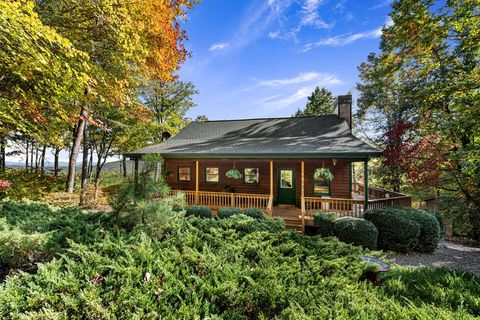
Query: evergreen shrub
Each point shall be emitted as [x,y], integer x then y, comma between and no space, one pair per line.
[199,211]
[325,222]
[356,231]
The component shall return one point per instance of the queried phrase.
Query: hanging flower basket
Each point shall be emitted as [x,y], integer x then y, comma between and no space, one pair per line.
[234,173]
[323,173]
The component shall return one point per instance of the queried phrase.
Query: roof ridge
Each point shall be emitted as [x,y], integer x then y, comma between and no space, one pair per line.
[268,118]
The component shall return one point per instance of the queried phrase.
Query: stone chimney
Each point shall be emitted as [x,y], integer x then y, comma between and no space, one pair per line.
[344,108]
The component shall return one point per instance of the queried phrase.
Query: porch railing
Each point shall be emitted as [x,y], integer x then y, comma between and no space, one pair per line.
[216,200]
[376,192]
[403,201]
[342,207]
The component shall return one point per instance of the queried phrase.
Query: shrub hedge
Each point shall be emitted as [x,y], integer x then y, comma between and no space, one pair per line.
[396,231]
[254,213]
[356,231]
[198,211]
[325,222]
[405,229]
[429,229]
[228,212]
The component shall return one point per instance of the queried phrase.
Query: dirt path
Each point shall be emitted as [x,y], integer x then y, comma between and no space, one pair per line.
[451,255]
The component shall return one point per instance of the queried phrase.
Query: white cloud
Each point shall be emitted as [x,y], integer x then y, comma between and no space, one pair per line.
[343,40]
[323,78]
[285,92]
[307,16]
[381,5]
[276,103]
[218,46]
[311,17]
[257,19]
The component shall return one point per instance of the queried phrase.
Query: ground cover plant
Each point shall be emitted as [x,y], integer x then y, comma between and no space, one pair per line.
[171,266]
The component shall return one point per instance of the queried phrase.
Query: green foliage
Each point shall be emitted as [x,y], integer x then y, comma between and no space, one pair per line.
[325,223]
[405,229]
[427,73]
[33,185]
[441,221]
[356,231]
[320,102]
[39,68]
[236,268]
[436,286]
[33,232]
[429,229]
[234,174]
[19,249]
[461,213]
[169,101]
[228,212]
[396,231]
[199,211]
[323,172]
[254,213]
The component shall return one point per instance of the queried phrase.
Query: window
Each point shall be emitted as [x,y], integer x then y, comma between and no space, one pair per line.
[286,179]
[321,186]
[212,174]
[251,175]
[183,173]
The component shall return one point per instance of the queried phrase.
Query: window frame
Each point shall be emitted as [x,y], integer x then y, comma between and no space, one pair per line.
[328,184]
[245,176]
[189,174]
[207,174]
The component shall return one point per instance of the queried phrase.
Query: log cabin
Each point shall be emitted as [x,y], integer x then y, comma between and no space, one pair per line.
[276,161]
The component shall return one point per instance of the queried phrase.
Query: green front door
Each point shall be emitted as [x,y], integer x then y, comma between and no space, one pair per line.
[286,186]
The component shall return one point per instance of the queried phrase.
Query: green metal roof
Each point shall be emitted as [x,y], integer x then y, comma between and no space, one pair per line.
[319,136]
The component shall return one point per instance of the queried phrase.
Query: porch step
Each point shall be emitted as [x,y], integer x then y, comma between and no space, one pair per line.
[286,206]
[294,227]
[291,223]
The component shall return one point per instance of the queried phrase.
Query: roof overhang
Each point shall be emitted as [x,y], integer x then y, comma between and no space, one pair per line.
[313,155]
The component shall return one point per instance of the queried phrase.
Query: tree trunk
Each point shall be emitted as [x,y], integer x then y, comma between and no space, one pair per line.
[84,181]
[77,140]
[37,162]
[26,155]
[3,160]
[32,144]
[42,158]
[124,161]
[55,161]
[97,176]
[90,164]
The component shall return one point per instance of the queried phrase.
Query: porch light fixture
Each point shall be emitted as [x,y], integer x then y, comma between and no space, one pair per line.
[334,161]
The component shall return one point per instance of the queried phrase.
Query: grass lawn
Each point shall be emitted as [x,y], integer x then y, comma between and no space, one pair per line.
[175,267]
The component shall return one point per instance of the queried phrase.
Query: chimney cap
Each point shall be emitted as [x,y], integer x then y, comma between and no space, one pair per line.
[345,98]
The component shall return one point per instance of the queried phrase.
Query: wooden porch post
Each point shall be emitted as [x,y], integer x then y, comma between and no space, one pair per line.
[270,201]
[302,198]
[365,183]
[196,182]
[271,178]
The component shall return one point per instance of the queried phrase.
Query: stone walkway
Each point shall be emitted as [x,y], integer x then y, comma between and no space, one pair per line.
[451,255]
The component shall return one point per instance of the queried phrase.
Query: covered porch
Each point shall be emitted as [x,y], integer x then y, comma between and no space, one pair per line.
[297,216]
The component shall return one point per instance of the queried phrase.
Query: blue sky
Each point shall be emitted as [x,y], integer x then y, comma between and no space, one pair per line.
[262,58]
